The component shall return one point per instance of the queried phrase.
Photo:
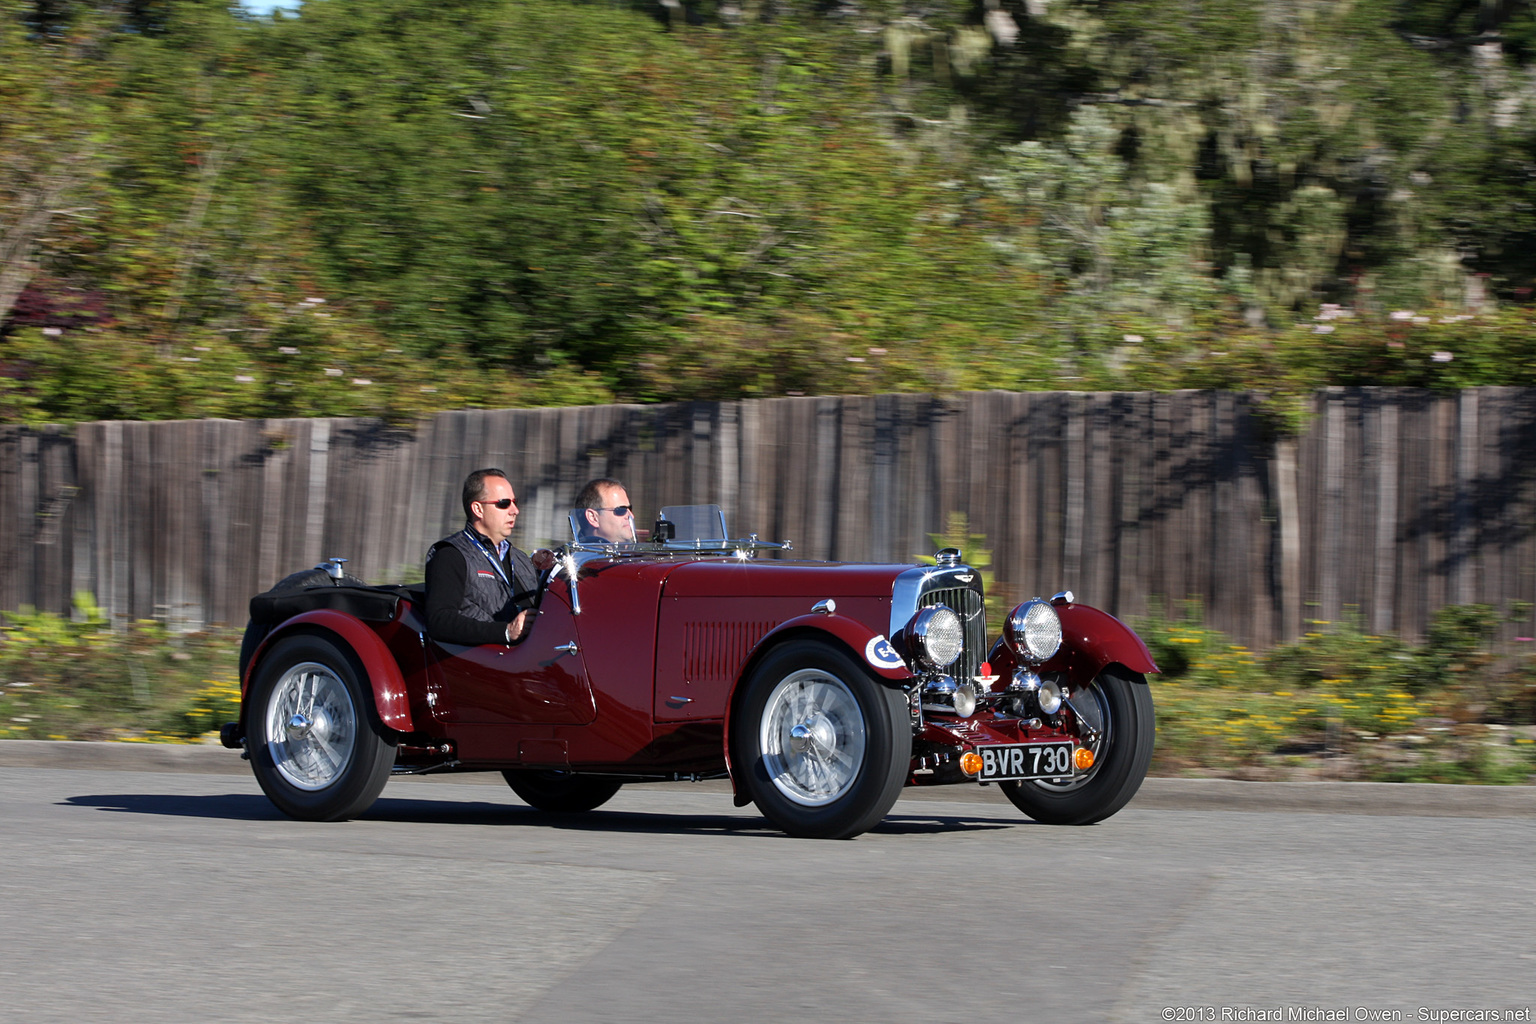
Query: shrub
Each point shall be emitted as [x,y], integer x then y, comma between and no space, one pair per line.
[81,679]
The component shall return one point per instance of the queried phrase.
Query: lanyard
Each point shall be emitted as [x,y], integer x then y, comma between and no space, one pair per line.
[481,544]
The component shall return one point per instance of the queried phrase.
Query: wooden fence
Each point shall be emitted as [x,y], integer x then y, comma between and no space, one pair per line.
[1393,503]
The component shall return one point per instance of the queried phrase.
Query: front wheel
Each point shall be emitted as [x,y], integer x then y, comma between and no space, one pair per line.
[824,747]
[316,749]
[1118,706]
[560,792]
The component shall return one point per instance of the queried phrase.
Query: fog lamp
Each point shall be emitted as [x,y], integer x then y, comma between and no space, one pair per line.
[1049,697]
[1083,758]
[970,762]
[965,698]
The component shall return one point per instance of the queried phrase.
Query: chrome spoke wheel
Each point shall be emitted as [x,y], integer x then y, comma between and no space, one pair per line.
[311,726]
[1118,705]
[813,738]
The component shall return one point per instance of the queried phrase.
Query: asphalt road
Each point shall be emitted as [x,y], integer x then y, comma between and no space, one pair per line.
[128,896]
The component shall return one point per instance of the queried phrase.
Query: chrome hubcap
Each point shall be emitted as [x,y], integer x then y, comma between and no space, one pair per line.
[311,726]
[813,737]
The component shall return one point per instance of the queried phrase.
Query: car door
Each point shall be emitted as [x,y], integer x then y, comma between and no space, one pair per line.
[542,680]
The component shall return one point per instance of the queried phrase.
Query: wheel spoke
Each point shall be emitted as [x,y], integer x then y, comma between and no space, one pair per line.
[325,748]
[841,757]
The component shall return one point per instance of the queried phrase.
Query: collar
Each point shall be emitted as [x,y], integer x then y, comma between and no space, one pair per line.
[485,542]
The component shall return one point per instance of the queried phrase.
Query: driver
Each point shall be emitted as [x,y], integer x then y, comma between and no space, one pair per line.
[604,514]
[479,587]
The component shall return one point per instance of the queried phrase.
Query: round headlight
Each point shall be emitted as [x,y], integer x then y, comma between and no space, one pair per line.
[935,636]
[1034,631]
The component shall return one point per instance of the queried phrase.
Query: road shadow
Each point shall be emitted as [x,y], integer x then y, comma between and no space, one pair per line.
[252,807]
[443,812]
[935,824]
[230,806]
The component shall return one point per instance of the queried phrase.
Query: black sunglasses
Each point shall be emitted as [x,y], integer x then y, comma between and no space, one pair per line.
[504,503]
[619,510]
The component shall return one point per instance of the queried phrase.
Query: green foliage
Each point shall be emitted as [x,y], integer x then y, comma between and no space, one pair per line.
[80,679]
[543,201]
[208,709]
[1100,242]
[1382,709]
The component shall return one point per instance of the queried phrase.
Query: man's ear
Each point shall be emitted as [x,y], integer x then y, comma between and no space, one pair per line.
[591,515]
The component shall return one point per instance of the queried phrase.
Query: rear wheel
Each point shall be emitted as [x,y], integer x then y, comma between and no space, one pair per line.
[1118,706]
[824,747]
[315,746]
[560,792]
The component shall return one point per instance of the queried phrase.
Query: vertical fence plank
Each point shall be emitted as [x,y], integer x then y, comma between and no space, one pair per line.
[1384,459]
[82,526]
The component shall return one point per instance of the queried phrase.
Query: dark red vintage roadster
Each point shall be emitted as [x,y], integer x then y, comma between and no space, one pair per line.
[818,689]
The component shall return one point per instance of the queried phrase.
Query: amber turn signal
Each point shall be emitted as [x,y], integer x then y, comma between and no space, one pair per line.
[1083,758]
[970,762]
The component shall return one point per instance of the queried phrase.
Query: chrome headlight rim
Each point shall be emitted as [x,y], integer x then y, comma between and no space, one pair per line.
[933,633]
[1034,631]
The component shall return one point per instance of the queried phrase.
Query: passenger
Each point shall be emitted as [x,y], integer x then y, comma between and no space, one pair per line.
[480,588]
[604,514]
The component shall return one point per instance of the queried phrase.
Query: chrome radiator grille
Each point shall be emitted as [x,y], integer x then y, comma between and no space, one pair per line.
[967,604]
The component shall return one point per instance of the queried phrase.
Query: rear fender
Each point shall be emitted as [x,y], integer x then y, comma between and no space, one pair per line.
[860,642]
[388,686]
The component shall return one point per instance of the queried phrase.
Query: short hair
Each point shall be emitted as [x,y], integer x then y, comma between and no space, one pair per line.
[591,496]
[474,487]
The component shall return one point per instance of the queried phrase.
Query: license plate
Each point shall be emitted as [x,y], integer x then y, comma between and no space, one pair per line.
[1026,761]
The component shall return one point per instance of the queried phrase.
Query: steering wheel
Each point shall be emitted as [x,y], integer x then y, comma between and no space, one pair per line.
[548,573]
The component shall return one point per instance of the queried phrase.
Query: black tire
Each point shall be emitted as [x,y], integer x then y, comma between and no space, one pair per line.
[843,772]
[333,767]
[560,792]
[1122,703]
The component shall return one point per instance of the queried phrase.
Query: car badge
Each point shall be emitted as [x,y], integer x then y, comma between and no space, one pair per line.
[879,653]
[966,578]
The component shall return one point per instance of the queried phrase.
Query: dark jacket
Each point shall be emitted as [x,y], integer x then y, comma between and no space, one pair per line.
[468,600]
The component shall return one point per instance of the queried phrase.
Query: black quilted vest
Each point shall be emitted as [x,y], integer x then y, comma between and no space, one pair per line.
[487,596]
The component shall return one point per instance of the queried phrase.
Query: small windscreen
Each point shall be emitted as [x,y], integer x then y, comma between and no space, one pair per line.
[695,522]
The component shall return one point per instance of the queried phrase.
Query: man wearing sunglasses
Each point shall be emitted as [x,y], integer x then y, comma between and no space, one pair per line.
[479,587]
[605,513]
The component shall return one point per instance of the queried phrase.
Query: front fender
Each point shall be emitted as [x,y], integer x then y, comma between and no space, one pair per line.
[859,638]
[1094,638]
[873,649]
[389,696]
